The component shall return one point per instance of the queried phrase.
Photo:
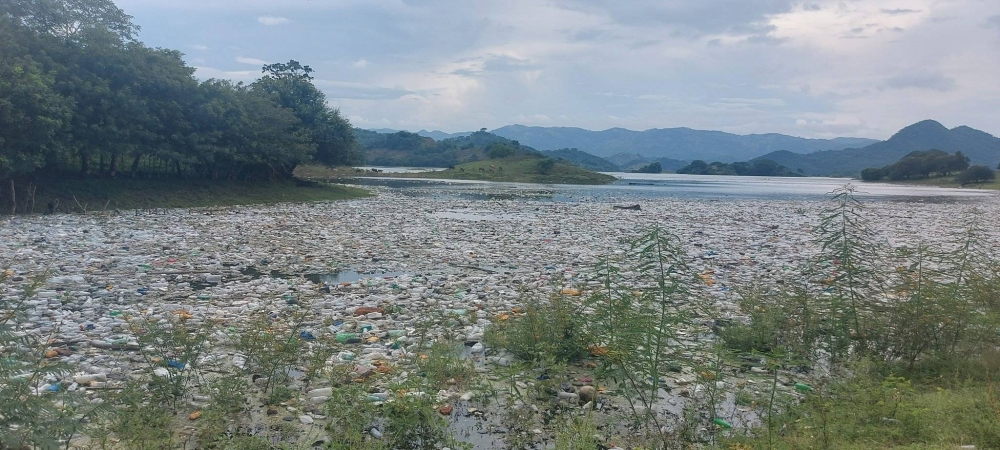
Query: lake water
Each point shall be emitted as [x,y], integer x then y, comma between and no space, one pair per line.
[634,186]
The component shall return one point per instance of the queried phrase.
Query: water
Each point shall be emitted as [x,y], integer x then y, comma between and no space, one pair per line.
[636,186]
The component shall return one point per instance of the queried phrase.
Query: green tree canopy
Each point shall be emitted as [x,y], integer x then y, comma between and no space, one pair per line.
[919,164]
[291,86]
[976,174]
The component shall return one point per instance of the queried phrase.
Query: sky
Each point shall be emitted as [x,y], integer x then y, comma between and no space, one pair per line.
[814,68]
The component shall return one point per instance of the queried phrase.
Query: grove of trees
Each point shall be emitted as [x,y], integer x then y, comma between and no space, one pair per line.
[759,167]
[976,174]
[653,167]
[919,164]
[81,96]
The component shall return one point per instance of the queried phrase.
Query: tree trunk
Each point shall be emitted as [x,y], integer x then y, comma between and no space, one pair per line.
[113,168]
[13,198]
[84,162]
[177,167]
[135,164]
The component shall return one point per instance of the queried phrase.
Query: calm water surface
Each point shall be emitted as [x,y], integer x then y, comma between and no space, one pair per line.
[635,186]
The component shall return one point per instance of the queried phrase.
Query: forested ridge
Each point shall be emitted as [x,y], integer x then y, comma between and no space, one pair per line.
[403,148]
[81,96]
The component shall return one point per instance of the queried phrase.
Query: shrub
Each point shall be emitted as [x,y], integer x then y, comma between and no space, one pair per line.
[549,331]
[545,165]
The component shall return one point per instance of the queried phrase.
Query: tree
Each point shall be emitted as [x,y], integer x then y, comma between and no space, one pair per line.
[976,174]
[766,168]
[697,167]
[290,85]
[70,19]
[32,113]
[874,174]
[921,164]
[500,150]
[653,167]
[741,168]
[545,165]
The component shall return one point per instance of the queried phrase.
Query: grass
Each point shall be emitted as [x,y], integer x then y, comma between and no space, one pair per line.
[516,169]
[890,412]
[108,194]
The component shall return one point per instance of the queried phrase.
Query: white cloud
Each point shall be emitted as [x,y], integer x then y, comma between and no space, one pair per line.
[359,91]
[205,73]
[251,61]
[200,47]
[271,20]
[360,64]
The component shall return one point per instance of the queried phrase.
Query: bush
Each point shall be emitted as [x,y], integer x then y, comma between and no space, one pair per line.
[546,165]
[653,167]
[545,332]
[976,174]
[874,173]
[497,151]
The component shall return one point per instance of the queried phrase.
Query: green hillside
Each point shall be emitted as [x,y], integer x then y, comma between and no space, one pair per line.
[582,159]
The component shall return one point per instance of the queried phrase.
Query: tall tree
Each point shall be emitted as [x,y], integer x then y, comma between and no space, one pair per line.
[32,113]
[290,84]
[70,18]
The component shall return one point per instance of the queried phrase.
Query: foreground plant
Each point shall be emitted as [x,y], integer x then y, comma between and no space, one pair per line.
[36,410]
[638,315]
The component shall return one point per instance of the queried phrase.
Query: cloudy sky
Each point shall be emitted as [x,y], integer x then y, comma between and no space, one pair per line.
[814,68]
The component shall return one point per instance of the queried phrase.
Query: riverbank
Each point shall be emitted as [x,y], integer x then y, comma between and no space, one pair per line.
[87,195]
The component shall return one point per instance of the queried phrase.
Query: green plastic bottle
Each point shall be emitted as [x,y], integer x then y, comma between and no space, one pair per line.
[803,387]
[722,423]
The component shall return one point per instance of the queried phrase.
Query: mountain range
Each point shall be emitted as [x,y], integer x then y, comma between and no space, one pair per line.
[674,143]
[981,148]
[682,144]
[675,147]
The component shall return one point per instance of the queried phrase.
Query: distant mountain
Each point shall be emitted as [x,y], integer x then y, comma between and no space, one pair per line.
[633,161]
[436,135]
[582,159]
[981,148]
[675,143]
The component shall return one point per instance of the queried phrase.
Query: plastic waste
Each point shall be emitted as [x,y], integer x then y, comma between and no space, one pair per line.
[722,423]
